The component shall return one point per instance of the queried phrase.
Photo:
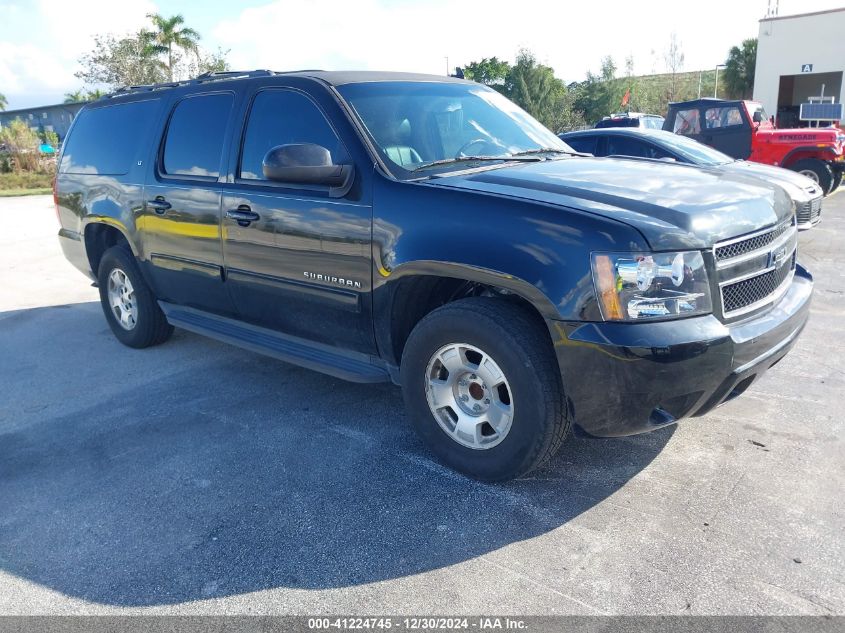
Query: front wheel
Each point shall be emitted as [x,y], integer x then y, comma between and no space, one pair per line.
[128,302]
[817,171]
[483,390]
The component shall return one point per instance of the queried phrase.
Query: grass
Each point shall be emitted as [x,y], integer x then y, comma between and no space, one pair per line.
[25,181]
[38,191]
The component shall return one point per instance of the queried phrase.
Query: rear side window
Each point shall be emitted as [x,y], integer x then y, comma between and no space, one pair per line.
[281,117]
[107,140]
[722,117]
[687,122]
[585,144]
[195,135]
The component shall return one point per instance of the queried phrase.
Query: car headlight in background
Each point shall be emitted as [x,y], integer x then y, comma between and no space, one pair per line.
[639,286]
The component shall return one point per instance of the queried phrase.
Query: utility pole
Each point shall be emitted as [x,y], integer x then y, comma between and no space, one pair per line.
[447,65]
[716,87]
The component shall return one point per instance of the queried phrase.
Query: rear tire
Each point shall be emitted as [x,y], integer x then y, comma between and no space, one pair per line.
[837,180]
[817,170]
[482,388]
[128,303]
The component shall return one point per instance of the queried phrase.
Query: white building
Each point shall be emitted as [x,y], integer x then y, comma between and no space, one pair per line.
[796,56]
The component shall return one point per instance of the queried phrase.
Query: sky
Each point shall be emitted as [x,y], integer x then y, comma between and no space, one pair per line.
[41,40]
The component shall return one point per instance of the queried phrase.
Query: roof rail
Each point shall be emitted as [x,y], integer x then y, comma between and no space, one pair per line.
[201,79]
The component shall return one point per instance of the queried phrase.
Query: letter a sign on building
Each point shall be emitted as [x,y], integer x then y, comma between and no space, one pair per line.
[806,68]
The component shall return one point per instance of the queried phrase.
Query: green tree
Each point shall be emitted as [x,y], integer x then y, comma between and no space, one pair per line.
[534,88]
[116,63]
[739,69]
[490,72]
[168,35]
[3,101]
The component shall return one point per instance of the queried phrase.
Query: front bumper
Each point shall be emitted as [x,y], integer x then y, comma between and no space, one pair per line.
[627,378]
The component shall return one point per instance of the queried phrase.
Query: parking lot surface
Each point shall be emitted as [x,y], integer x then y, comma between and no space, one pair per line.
[197,478]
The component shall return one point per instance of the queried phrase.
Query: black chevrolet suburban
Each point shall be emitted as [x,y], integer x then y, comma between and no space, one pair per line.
[426,231]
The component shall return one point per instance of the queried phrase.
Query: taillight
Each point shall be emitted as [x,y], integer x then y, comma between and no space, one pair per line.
[56,199]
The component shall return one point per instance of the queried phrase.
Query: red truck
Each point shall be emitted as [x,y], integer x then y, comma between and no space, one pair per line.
[743,130]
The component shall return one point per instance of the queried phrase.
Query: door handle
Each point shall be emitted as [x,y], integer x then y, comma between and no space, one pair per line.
[159,205]
[243,215]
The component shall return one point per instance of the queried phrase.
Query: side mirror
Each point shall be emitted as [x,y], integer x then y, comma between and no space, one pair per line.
[757,116]
[307,164]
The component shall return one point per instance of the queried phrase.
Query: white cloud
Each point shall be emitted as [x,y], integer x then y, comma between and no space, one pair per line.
[417,35]
[37,64]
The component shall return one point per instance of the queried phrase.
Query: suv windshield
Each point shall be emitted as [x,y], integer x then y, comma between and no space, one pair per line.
[419,126]
[692,150]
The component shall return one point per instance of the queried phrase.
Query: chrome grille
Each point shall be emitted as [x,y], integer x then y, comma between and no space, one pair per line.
[749,292]
[810,211]
[755,269]
[742,246]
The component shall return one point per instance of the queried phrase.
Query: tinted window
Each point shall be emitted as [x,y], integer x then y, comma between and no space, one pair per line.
[195,136]
[722,117]
[625,146]
[281,117]
[107,140]
[586,144]
[687,122]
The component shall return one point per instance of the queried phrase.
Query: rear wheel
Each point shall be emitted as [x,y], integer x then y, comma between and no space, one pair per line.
[482,388]
[837,180]
[817,170]
[128,303]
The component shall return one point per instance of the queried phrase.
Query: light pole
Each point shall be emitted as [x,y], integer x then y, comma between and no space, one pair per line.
[716,87]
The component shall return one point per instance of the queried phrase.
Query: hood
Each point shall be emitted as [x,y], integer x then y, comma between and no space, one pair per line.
[799,187]
[673,206]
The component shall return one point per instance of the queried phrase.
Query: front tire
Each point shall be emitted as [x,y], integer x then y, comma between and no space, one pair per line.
[816,170]
[483,390]
[128,303]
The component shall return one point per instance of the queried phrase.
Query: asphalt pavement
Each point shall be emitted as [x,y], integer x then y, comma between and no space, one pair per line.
[197,478]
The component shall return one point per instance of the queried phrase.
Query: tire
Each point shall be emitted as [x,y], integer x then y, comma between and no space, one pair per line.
[120,282]
[530,394]
[817,170]
[837,180]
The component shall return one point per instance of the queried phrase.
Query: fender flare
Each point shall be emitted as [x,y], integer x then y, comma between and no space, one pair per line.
[806,148]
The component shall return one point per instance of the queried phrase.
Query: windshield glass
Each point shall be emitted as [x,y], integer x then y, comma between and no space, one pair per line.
[692,150]
[414,124]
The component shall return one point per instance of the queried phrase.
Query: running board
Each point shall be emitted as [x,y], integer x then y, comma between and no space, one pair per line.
[352,366]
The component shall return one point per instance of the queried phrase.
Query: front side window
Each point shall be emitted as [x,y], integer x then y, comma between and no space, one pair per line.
[284,117]
[624,146]
[687,122]
[195,135]
[585,144]
[722,117]
[415,124]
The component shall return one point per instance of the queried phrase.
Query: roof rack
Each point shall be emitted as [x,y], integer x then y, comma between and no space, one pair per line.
[200,79]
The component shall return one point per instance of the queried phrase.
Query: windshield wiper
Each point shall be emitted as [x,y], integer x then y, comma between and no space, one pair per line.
[541,150]
[469,159]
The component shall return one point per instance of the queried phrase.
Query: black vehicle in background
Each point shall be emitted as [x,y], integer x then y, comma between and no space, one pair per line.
[632,120]
[806,194]
[427,231]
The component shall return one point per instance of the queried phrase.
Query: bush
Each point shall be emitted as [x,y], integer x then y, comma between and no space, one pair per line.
[26,180]
[22,145]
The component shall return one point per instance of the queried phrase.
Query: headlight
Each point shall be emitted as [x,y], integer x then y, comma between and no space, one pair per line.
[638,286]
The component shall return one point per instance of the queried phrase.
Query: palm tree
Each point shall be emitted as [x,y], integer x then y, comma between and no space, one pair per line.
[168,35]
[74,97]
[3,102]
